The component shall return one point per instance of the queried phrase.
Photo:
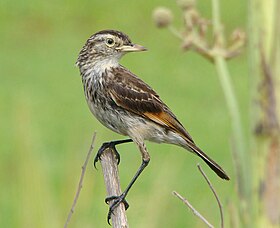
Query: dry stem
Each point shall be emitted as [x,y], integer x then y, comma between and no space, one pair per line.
[195,212]
[215,194]
[112,183]
[80,185]
[185,201]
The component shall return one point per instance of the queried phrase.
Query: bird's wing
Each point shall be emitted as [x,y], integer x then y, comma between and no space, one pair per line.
[131,93]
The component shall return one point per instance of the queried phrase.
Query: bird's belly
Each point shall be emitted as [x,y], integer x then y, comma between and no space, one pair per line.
[155,133]
[132,125]
[124,122]
[114,118]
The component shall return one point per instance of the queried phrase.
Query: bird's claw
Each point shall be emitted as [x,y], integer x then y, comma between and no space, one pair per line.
[102,149]
[116,202]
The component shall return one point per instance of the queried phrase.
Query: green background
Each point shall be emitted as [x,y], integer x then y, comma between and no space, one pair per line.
[46,127]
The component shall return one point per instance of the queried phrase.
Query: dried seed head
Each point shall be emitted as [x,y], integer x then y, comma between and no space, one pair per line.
[162,17]
[186,4]
[238,35]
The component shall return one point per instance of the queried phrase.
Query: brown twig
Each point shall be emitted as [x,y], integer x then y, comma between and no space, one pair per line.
[111,178]
[195,212]
[80,181]
[215,194]
[185,201]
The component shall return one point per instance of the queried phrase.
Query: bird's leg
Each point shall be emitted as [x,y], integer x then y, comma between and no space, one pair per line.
[121,198]
[111,145]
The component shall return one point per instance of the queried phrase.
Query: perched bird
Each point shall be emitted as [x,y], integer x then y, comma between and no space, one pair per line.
[125,104]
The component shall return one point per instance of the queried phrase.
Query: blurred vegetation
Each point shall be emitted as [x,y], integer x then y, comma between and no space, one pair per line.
[46,127]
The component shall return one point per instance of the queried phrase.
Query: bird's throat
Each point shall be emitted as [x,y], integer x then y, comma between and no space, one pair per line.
[99,67]
[102,65]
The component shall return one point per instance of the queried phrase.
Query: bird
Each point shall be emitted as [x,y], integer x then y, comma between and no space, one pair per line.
[127,105]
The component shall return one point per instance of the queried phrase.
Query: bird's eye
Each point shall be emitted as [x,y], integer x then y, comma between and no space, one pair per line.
[110,42]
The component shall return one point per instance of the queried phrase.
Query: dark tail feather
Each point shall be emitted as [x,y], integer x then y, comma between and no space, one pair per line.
[213,165]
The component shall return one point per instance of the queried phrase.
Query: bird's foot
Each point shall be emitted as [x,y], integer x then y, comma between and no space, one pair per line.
[116,202]
[105,146]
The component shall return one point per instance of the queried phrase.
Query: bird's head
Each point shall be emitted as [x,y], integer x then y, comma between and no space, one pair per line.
[106,46]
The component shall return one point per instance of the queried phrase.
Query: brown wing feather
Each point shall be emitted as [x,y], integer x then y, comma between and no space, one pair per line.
[167,119]
[131,93]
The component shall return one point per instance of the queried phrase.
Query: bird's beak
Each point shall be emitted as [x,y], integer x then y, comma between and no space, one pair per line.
[131,48]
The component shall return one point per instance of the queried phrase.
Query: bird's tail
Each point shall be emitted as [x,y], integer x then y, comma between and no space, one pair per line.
[213,165]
